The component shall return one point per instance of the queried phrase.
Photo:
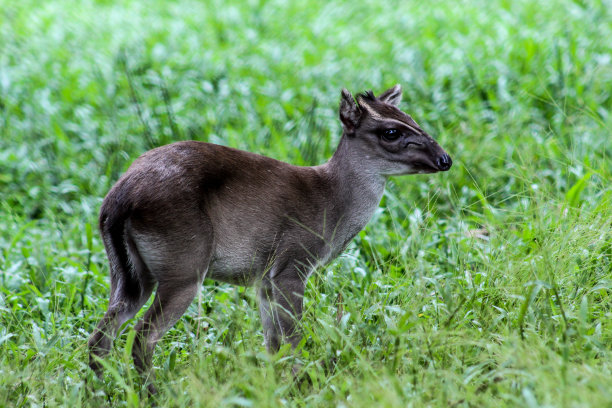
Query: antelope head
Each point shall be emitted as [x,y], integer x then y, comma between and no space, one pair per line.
[383,136]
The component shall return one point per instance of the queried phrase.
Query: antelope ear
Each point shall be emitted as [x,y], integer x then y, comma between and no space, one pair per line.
[349,112]
[392,96]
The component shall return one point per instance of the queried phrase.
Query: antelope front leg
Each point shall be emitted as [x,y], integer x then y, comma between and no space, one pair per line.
[280,307]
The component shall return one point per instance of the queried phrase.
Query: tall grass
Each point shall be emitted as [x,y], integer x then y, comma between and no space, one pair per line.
[490,285]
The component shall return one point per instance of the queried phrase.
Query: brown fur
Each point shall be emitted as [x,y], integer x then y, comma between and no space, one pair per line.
[191,210]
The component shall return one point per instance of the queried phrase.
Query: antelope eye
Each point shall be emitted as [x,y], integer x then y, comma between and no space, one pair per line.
[390,134]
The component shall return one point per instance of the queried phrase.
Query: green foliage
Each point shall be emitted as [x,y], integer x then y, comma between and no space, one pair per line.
[490,285]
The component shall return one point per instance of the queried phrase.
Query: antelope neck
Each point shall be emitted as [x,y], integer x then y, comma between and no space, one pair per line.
[359,187]
[355,176]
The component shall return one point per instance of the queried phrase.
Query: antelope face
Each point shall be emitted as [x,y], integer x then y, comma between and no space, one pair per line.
[388,137]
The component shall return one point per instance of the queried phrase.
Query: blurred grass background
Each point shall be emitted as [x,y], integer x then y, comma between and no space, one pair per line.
[490,285]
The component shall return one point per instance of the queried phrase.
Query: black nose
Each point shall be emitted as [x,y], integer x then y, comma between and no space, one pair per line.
[444,162]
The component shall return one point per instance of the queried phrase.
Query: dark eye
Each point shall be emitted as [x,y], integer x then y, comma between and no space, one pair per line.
[390,134]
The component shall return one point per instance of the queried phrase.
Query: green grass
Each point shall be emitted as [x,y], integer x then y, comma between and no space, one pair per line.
[490,285]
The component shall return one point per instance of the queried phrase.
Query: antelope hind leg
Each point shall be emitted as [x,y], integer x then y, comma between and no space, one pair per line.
[171,301]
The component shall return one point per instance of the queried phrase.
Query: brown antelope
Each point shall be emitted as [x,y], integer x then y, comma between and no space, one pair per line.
[190,210]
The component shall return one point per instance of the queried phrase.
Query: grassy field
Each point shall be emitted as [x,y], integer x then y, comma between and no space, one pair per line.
[489,285]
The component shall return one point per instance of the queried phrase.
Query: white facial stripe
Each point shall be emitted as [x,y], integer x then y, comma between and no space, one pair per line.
[415,130]
[378,116]
[371,111]
[414,121]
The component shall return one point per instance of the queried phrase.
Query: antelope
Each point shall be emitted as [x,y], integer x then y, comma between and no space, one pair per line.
[190,210]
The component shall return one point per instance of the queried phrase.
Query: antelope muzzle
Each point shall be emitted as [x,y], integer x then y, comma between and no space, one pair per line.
[444,162]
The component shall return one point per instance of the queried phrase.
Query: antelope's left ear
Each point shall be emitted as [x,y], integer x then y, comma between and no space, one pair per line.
[392,96]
